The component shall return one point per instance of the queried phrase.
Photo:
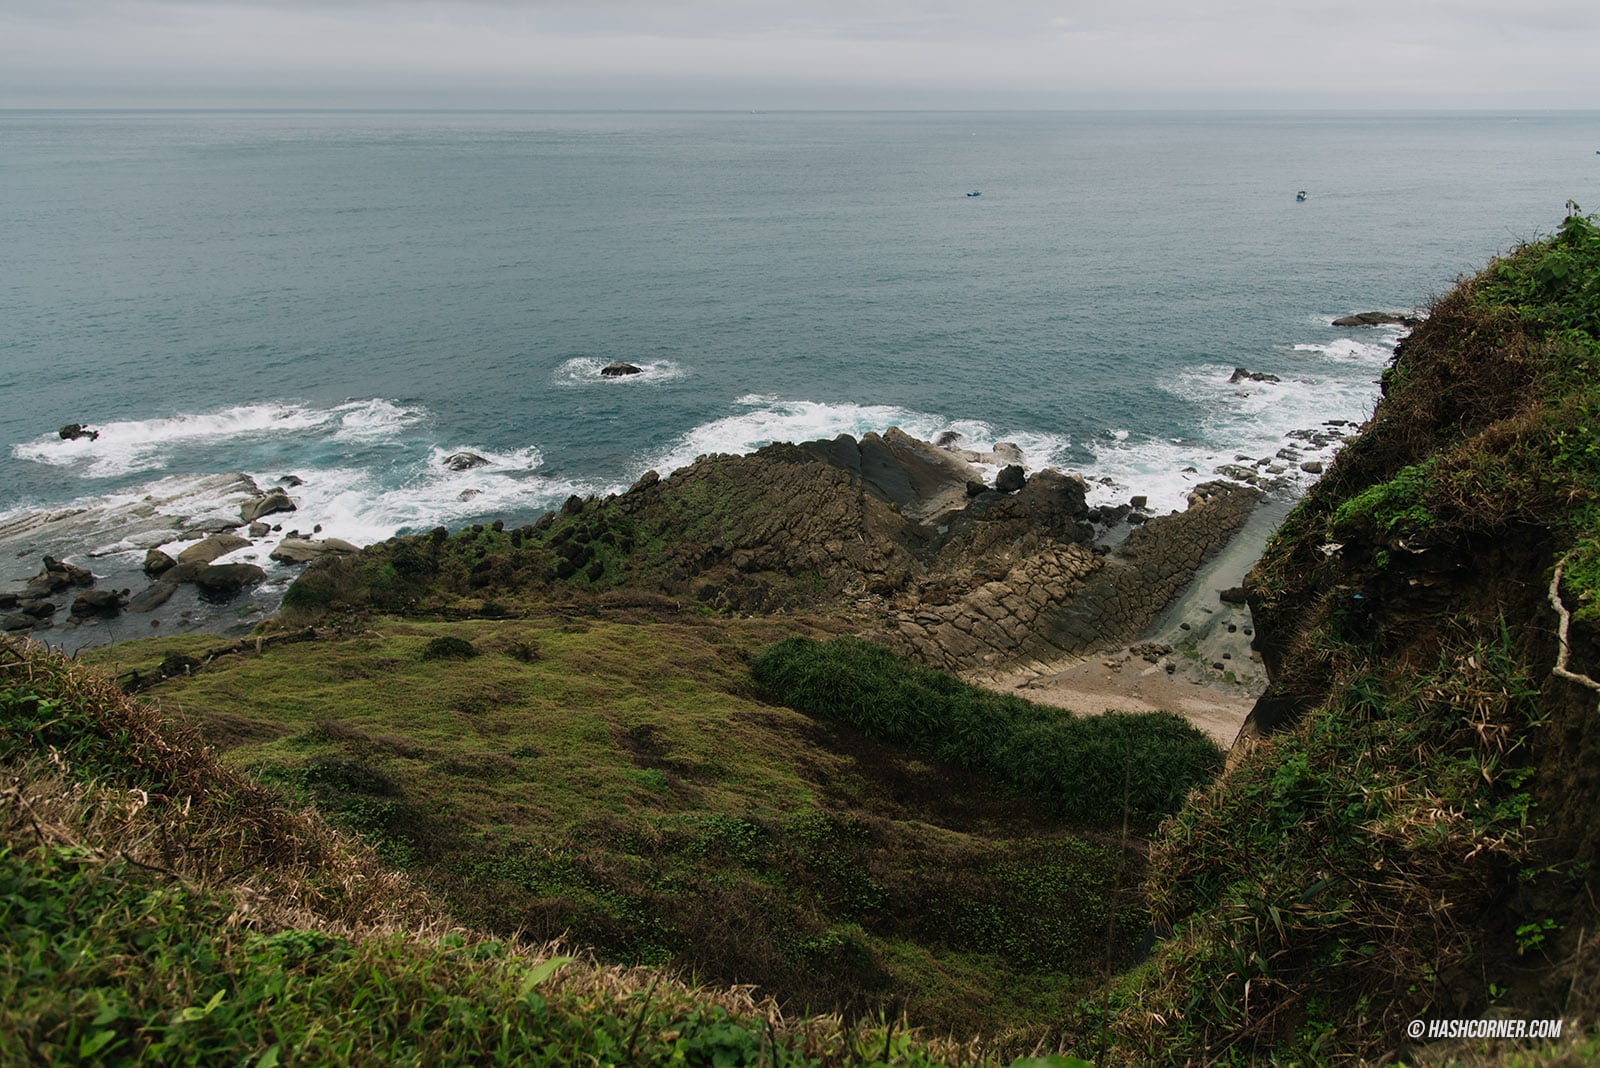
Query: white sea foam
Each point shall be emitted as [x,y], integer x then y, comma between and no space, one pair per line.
[130,446]
[1245,419]
[375,420]
[768,419]
[585,371]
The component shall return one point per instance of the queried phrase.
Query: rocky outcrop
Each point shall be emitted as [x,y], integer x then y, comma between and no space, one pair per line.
[1063,598]
[273,501]
[305,550]
[1378,319]
[74,431]
[1240,374]
[618,370]
[464,461]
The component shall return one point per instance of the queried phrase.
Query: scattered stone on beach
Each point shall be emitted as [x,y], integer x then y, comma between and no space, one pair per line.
[1312,467]
[305,550]
[617,370]
[225,580]
[468,494]
[291,481]
[74,431]
[209,549]
[274,500]
[464,461]
[1377,319]
[1232,595]
[98,603]
[258,529]
[1010,479]
[151,597]
[1240,374]
[646,480]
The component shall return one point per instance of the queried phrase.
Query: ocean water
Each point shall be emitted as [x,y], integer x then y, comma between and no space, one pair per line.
[351,297]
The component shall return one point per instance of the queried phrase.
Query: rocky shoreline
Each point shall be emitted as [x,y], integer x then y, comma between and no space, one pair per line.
[965,559]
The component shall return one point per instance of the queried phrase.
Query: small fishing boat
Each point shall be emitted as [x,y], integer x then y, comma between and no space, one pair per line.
[1300,196]
[975,193]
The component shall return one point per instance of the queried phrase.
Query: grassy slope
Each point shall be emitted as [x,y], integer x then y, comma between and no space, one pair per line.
[159,908]
[1416,840]
[620,781]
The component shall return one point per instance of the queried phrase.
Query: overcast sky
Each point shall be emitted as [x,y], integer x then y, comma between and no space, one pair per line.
[800,53]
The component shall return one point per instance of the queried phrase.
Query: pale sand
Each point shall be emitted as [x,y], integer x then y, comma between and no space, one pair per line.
[1215,676]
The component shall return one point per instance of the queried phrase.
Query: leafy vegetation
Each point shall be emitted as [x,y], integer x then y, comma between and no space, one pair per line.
[1089,768]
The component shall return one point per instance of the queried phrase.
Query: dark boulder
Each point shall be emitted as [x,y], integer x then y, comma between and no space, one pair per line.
[157,562]
[1242,375]
[152,597]
[464,461]
[1232,595]
[98,603]
[1377,319]
[1010,479]
[74,431]
[617,370]
[226,580]
[291,481]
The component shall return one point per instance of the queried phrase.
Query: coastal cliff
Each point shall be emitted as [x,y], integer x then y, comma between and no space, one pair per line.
[1408,830]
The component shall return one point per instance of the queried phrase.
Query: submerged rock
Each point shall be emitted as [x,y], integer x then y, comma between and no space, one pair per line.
[464,461]
[1377,319]
[74,431]
[1242,375]
[617,370]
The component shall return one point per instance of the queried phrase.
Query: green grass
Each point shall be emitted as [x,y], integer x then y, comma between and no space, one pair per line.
[626,785]
[158,907]
[1087,768]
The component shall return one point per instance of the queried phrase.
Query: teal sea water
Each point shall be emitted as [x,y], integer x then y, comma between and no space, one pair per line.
[350,297]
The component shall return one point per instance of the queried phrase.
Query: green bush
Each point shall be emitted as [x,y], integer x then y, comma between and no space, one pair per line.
[1083,767]
[449,647]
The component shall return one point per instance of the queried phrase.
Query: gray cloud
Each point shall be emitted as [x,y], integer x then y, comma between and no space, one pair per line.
[832,53]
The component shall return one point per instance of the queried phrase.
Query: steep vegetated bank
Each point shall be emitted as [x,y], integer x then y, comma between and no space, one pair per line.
[1409,831]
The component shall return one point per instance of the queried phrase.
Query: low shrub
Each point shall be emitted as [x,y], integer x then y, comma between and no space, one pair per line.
[1085,767]
[449,647]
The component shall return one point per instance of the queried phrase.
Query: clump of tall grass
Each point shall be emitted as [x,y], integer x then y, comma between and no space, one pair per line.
[1084,767]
